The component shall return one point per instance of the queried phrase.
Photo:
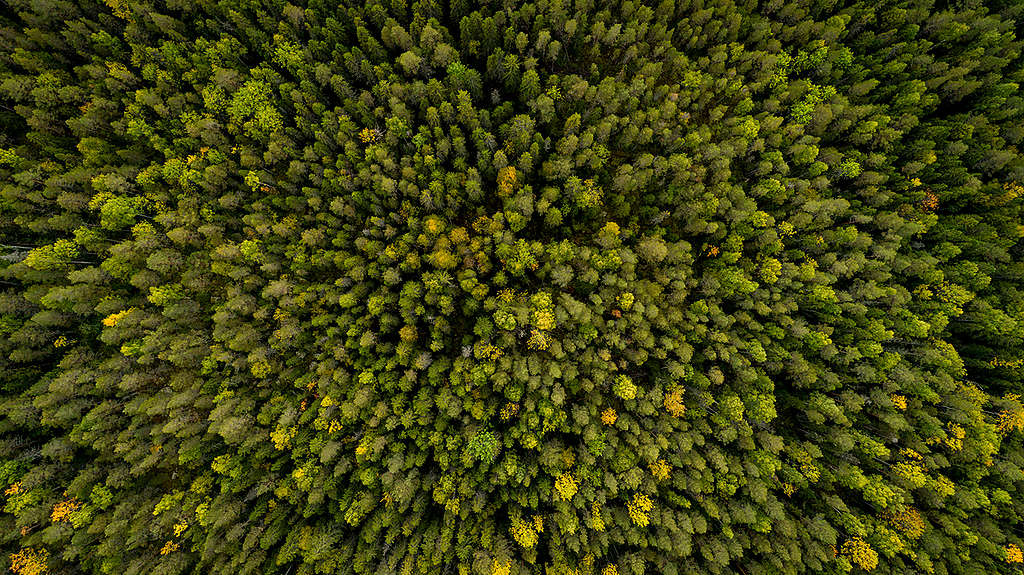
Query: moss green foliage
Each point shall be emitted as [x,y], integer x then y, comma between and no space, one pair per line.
[551,287]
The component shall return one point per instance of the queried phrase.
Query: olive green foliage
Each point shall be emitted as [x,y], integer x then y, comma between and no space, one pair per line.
[511,287]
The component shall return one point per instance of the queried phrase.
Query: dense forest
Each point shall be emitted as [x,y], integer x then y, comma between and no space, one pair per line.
[503,287]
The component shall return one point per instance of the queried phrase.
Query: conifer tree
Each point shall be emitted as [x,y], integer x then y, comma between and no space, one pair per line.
[500,288]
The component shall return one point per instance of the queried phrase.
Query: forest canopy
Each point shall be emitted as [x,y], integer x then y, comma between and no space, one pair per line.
[497,287]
